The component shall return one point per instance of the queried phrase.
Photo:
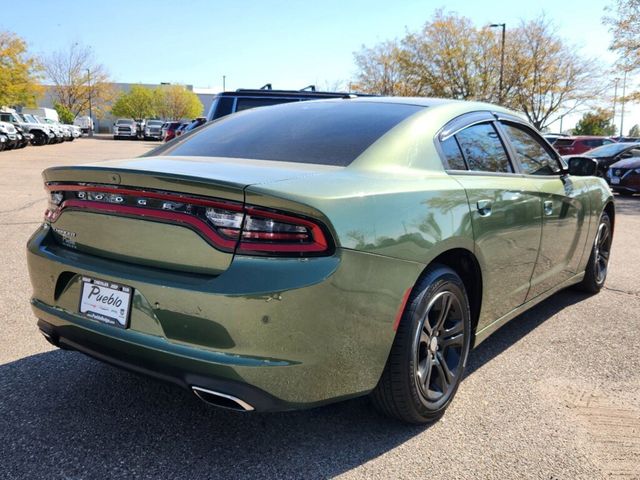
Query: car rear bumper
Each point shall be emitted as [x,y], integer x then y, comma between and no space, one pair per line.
[278,334]
[166,362]
[626,188]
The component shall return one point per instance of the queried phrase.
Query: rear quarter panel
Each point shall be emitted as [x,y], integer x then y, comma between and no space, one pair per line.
[409,217]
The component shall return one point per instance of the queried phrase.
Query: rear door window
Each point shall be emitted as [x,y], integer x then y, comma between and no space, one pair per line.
[453,154]
[483,149]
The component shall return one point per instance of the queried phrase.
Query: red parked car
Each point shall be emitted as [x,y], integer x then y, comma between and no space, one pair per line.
[169,130]
[579,144]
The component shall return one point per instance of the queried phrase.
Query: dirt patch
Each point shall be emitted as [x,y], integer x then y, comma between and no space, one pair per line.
[610,418]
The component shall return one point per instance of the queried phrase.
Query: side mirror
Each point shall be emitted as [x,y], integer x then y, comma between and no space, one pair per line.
[583,166]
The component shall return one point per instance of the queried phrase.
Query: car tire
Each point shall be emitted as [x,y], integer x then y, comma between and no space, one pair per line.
[38,139]
[430,350]
[595,273]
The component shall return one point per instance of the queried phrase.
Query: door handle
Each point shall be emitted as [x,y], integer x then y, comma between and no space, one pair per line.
[548,207]
[484,207]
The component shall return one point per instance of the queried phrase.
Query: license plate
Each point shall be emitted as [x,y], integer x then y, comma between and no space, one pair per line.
[106,302]
[615,180]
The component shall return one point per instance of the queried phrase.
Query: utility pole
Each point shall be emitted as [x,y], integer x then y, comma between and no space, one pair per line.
[615,99]
[90,113]
[504,28]
[624,92]
[224,83]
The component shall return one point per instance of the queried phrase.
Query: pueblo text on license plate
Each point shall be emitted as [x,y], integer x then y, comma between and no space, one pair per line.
[105,301]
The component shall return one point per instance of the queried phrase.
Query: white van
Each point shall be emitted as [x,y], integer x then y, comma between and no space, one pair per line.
[84,122]
[48,113]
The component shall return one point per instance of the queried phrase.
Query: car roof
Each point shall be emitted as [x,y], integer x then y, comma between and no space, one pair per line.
[588,137]
[303,93]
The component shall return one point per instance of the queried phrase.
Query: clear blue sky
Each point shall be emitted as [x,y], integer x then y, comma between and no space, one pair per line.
[288,43]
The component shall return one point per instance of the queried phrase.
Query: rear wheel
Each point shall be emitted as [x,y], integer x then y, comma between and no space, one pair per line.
[598,266]
[430,351]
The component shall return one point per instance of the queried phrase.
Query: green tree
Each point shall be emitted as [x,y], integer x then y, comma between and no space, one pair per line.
[450,57]
[624,24]
[380,70]
[595,123]
[65,115]
[19,72]
[547,74]
[635,131]
[138,103]
[174,102]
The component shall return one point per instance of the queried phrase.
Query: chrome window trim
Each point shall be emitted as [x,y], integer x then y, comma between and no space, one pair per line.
[463,121]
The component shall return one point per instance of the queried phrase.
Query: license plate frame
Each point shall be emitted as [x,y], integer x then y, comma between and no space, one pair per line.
[105,302]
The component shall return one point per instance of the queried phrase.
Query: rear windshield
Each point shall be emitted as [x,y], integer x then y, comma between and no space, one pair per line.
[320,132]
[563,143]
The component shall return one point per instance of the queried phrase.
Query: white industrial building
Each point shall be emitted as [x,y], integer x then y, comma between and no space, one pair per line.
[105,123]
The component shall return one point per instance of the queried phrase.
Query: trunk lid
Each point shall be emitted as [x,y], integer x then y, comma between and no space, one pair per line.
[161,232]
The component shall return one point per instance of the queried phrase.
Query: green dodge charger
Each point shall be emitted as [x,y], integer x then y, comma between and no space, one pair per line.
[290,256]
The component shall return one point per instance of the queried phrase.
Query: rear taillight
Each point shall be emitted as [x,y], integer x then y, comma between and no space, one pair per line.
[228,226]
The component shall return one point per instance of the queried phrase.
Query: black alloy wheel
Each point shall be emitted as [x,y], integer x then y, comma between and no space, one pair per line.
[430,350]
[598,265]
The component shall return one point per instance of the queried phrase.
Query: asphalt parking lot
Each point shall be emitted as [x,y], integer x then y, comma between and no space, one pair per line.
[555,394]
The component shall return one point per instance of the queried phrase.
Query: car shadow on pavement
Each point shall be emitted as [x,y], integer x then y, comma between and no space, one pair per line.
[63,415]
[520,327]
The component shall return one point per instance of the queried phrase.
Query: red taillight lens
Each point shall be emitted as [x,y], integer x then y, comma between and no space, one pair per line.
[276,232]
[228,226]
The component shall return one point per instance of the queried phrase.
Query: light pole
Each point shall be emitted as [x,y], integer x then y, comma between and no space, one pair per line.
[504,28]
[624,92]
[615,99]
[90,113]
[224,83]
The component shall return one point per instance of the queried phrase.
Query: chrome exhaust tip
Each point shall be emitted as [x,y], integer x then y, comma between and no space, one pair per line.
[221,400]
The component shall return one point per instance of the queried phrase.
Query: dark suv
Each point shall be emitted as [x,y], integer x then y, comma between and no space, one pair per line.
[242,99]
